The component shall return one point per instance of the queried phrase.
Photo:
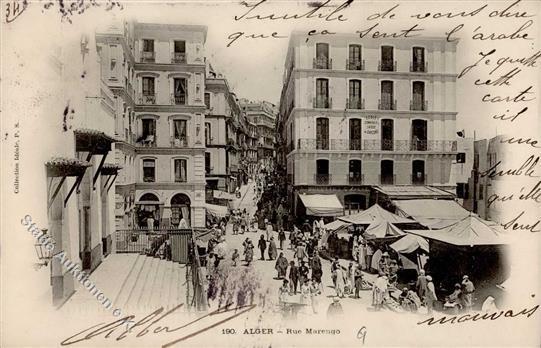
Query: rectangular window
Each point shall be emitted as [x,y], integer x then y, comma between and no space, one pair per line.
[387,58]
[148,45]
[149,170]
[418,61]
[148,86]
[355,59]
[208,134]
[322,133]
[355,100]
[322,56]
[207,163]
[180,91]
[207,100]
[180,132]
[322,93]
[180,46]
[461,157]
[355,134]
[148,128]
[387,97]
[180,170]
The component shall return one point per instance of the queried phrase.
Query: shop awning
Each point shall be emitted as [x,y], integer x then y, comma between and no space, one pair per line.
[336,224]
[433,213]
[223,195]
[216,210]
[322,205]
[409,243]
[470,231]
[374,213]
[91,140]
[61,166]
[413,192]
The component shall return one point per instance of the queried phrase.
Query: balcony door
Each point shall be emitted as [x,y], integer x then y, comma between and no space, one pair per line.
[322,171]
[355,172]
[418,172]
[180,133]
[355,100]
[322,56]
[208,133]
[418,98]
[387,172]
[418,61]
[180,91]
[355,59]
[355,133]
[418,135]
[179,52]
[387,95]
[180,170]
[207,163]
[322,133]
[322,93]
[387,134]
[149,92]
[387,58]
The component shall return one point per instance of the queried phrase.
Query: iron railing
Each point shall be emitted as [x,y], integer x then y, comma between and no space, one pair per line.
[355,179]
[374,145]
[148,57]
[386,103]
[148,99]
[418,67]
[179,99]
[355,64]
[178,57]
[322,179]
[322,63]
[181,141]
[388,179]
[387,65]
[322,102]
[418,104]
[418,145]
[355,103]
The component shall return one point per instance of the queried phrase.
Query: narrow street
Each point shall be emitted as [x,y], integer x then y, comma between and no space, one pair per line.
[266,269]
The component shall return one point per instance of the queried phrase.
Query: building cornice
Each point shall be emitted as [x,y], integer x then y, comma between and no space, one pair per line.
[170,67]
[171,108]
[403,75]
[187,151]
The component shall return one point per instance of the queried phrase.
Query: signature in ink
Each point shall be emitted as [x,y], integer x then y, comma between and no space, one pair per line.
[148,323]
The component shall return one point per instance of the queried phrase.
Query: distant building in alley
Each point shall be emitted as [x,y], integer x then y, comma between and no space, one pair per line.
[367,120]
[263,115]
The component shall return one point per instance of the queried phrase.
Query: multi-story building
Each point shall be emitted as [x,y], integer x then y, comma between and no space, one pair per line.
[169,123]
[68,165]
[116,45]
[358,113]
[461,171]
[263,115]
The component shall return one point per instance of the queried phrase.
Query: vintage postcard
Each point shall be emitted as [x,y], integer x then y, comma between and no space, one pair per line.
[270,173]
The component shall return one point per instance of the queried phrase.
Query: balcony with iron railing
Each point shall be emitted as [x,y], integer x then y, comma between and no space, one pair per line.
[179,141]
[322,63]
[418,67]
[147,99]
[387,179]
[418,104]
[148,56]
[418,145]
[178,57]
[374,145]
[355,179]
[387,65]
[418,179]
[322,102]
[355,103]
[179,99]
[354,64]
[322,179]
[148,140]
[386,103]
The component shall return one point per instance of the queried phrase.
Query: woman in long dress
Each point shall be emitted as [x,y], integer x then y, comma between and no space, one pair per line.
[281,266]
[273,251]
[379,290]
[340,283]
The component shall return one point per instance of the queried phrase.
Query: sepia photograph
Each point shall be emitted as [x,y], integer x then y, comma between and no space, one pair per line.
[270,173]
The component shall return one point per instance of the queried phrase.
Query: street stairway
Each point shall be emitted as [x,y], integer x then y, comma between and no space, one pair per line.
[133,283]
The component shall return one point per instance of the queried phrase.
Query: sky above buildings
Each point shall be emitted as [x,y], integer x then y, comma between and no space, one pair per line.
[254,66]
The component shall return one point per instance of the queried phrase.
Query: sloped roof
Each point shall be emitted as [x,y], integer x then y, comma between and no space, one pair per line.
[472,230]
[374,213]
